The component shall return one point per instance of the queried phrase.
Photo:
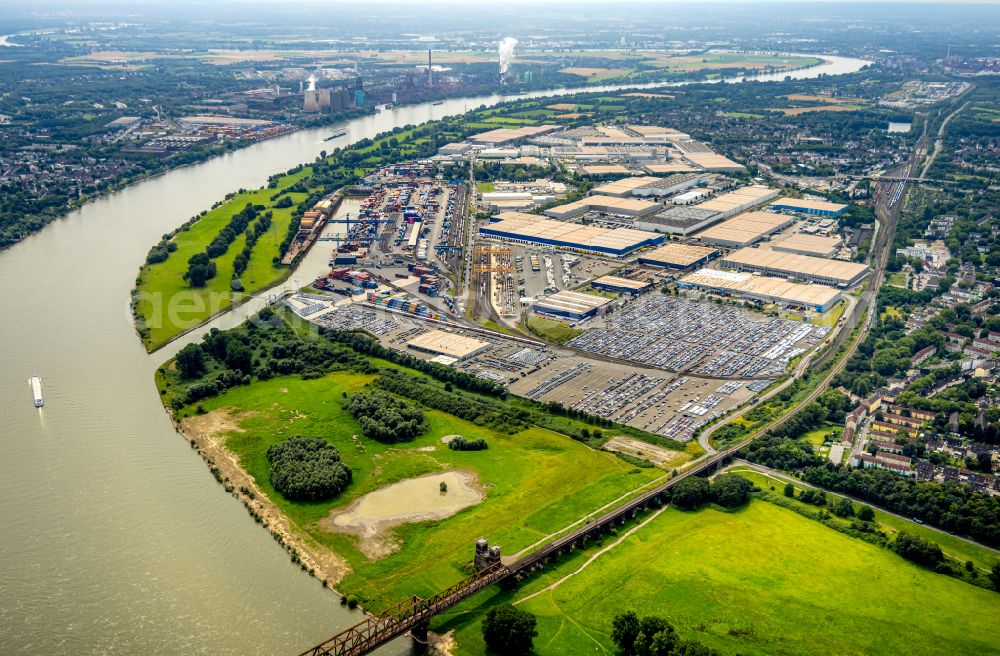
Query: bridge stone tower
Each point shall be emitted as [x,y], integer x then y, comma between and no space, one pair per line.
[486,556]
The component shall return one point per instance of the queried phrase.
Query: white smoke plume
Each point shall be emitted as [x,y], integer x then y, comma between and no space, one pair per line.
[506,53]
[312,82]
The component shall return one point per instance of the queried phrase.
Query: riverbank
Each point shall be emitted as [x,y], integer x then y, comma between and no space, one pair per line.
[204,433]
[165,305]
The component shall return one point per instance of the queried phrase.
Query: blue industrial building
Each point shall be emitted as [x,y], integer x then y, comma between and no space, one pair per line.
[807,206]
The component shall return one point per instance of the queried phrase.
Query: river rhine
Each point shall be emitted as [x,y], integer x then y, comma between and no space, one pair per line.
[116,538]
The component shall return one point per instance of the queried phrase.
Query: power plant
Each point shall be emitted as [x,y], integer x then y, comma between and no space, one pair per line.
[330,99]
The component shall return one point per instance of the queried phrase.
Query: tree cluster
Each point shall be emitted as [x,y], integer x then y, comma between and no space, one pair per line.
[262,348]
[461,444]
[191,361]
[307,469]
[954,507]
[237,226]
[915,548]
[386,418]
[652,636]
[727,490]
[161,251]
[509,631]
[781,453]
[479,410]
[260,226]
[200,270]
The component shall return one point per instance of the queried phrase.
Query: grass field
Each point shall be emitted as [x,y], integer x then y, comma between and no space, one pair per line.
[831,316]
[169,306]
[724,60]
[554,331]
[892,312]
[897,279]
[536,481]
[801,97]
[822,434]
[596,74]
[742,115]
[493,325]
[511,121]
[762,580]
[955,547]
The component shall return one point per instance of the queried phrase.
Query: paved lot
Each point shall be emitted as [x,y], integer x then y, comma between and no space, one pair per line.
[680,334]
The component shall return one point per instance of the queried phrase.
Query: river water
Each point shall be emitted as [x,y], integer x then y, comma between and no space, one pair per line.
[116,539]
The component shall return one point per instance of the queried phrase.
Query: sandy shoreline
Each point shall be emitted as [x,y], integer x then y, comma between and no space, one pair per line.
[201,431]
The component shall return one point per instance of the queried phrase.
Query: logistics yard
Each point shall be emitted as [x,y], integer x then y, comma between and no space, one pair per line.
[408,229]
[679,334]
[634,338]
[637,394]
[671,405]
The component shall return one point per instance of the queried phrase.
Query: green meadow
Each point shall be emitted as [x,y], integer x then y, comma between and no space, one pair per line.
[168,306]
[536,482]
[762,580]
[953,546]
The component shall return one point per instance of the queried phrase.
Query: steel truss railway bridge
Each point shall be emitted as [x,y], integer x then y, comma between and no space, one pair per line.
[412,615]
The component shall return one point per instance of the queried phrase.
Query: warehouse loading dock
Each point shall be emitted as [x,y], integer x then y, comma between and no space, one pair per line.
[620,285]
[819,298]
[646,185]
[678,256]
[800,267]
[440,342]
[745,229]
[713,162]
[522,228]
[607,204]
[739,200]
[571,305]
[604,169]
[681,221]
[670,167]
[814,245]
[809,206]
[510,135]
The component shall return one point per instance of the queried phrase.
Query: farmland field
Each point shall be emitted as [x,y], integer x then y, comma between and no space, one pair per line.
[795,111]
[597,74]
[954,547]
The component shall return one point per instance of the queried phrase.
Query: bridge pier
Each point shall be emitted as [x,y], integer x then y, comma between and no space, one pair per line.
[418,636]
